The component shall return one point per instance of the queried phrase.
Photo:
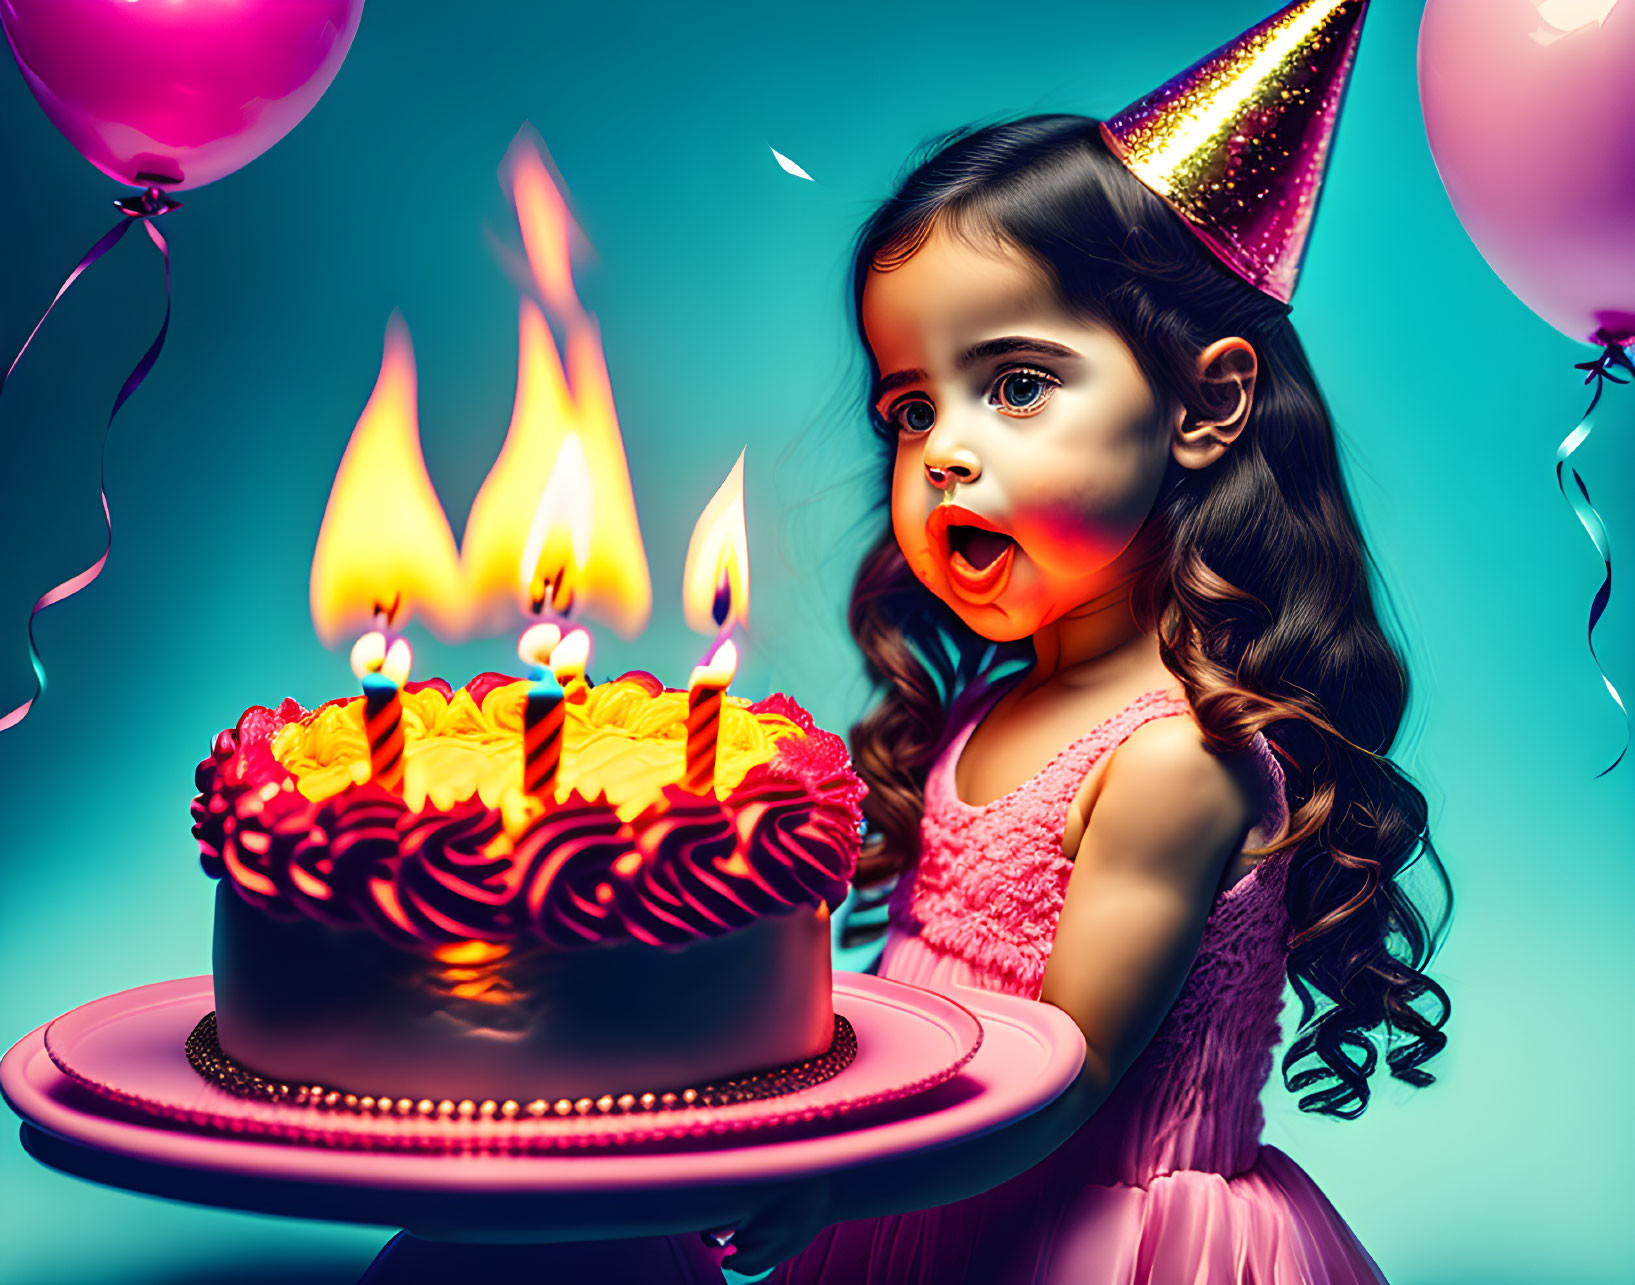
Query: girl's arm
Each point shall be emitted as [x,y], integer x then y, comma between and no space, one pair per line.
[1169,817]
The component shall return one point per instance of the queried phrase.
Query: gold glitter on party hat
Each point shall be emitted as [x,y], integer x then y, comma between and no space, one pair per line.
[1238,143]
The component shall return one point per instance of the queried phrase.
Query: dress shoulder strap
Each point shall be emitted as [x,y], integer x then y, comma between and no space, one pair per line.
[1058,781]
[1054,785]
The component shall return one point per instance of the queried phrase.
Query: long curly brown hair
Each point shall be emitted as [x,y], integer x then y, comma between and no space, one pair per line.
[1261,597]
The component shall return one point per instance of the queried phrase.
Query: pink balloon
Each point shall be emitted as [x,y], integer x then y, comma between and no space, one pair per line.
[1530,110]
[177,93]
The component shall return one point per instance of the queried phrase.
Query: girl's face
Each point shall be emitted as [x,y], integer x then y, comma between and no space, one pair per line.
[1030,448]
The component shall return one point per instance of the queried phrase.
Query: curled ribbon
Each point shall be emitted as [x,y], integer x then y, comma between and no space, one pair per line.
[141,209]
[1600,370]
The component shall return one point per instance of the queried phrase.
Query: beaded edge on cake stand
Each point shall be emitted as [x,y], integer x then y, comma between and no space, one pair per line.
[205,1055]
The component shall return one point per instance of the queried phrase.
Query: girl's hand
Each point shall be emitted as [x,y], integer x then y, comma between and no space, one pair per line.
[781,1228]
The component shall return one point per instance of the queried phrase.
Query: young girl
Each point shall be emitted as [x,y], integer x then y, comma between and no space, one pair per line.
[1130,753]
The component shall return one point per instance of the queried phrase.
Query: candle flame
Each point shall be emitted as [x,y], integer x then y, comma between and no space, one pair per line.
[570,656]
[385,547]
[558,541]
[715,579]
[537,643]
[718,670]
[374,653]
[547,226]
[562,419]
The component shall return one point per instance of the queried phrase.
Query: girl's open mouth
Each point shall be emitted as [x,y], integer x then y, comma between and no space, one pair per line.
[977,556]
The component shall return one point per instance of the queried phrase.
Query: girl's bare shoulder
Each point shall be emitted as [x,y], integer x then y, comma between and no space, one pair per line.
[1164,776]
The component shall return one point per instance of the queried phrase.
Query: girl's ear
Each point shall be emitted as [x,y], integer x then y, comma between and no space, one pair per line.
[1226,381]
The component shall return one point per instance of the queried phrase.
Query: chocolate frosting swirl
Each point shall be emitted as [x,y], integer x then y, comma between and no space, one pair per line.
[686,867]
[449,881]
[568,853]
[686,841]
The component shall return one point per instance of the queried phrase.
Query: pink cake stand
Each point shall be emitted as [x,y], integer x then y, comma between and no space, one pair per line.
[602,1209]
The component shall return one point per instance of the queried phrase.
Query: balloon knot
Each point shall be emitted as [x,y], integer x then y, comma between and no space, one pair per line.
[1613,354]
[149,205]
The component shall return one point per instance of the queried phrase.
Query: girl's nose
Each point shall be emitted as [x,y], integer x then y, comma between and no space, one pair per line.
[946,466]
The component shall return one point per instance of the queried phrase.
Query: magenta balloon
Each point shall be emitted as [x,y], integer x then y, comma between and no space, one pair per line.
[1530,110]
[177,93]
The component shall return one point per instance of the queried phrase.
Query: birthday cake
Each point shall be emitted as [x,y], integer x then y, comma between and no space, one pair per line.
[457,944]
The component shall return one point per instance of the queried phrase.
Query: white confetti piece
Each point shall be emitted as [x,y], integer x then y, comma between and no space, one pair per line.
[788,166]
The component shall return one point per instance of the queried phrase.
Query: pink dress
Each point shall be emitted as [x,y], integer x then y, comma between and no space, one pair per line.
[1168,1183]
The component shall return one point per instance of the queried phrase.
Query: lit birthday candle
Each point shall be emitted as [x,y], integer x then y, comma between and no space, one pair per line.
[385,540]
[715,595]
[553,557]
[381,662]
[555,651]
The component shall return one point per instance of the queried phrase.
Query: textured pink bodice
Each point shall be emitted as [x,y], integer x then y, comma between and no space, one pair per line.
[981,909]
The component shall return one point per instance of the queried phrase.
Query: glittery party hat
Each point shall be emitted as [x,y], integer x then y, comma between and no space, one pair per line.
[1237,143]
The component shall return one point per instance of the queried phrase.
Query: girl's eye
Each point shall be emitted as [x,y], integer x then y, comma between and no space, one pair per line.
[912,415]
[1023,391]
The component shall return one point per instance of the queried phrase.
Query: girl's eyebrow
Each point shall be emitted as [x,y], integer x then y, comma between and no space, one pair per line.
[975,353]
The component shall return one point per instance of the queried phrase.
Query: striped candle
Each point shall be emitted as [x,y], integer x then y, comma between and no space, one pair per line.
[706,693]
[542,723]
[383,725]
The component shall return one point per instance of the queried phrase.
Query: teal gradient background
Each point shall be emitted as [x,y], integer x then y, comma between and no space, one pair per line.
[719,282]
